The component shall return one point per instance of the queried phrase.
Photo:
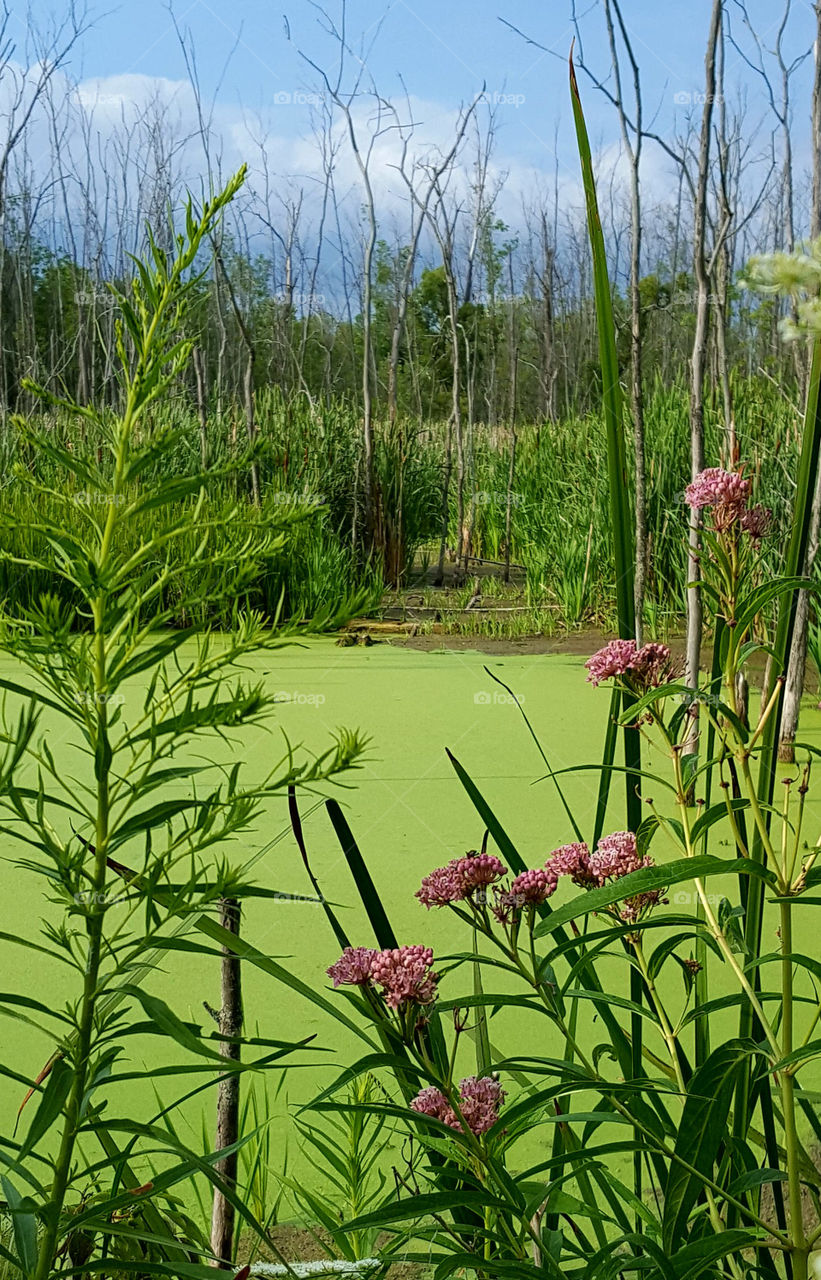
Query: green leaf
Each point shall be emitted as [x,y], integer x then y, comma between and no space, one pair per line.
[167,1023]
[695,1259]
[24,1226]
[421,1206]
[649,878]
[702,1131]
[383,932]
[52,1100]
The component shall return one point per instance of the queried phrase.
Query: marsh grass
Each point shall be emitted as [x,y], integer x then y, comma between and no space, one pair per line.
[309,461]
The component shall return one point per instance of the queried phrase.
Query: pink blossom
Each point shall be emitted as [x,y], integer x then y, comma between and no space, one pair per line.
[458,880]
[353,968]
[480,870]
[644,668]
[652,666]
[479,1101]
[532,886]
[616,856]
[442,886]
[432,1102]
[718,488]
[615,659]
[570,860]
[405,976]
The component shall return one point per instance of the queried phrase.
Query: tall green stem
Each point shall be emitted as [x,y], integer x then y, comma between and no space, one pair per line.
[94,924]
[801,1250]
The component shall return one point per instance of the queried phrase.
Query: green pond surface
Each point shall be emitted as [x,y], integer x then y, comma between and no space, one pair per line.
[409,814]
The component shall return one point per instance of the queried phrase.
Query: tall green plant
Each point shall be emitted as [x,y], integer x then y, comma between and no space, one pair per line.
[127,870]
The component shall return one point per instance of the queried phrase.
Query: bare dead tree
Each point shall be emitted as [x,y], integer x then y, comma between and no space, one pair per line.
[796,670]
[346,100]
[228,1018]
[444,218]
[46,51]
[698,363]
[205,134]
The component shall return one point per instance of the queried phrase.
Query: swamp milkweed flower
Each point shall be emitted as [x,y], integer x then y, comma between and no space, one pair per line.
[480,1098]
[403,973]
[728,494]
[460,879]
[617,856]
[353,968]
[642,668]
[716,487]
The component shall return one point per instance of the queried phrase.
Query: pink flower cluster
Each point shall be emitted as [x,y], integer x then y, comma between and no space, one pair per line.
[728,493]
[480,1098]
[718,488]
[353,968]
[572,860]
[460,878]
[643,669]
[615,856]
[532,887]
[404,974]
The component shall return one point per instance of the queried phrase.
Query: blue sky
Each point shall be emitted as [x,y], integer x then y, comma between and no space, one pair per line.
[442,49]
[441,52]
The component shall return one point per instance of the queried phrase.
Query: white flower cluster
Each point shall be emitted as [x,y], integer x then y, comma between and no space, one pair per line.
[796,275]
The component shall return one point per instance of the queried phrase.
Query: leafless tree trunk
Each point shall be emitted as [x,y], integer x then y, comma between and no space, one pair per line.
[794,687]
[200,378]
[697,367]
[345,101]
[229,1021]
[513,345]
